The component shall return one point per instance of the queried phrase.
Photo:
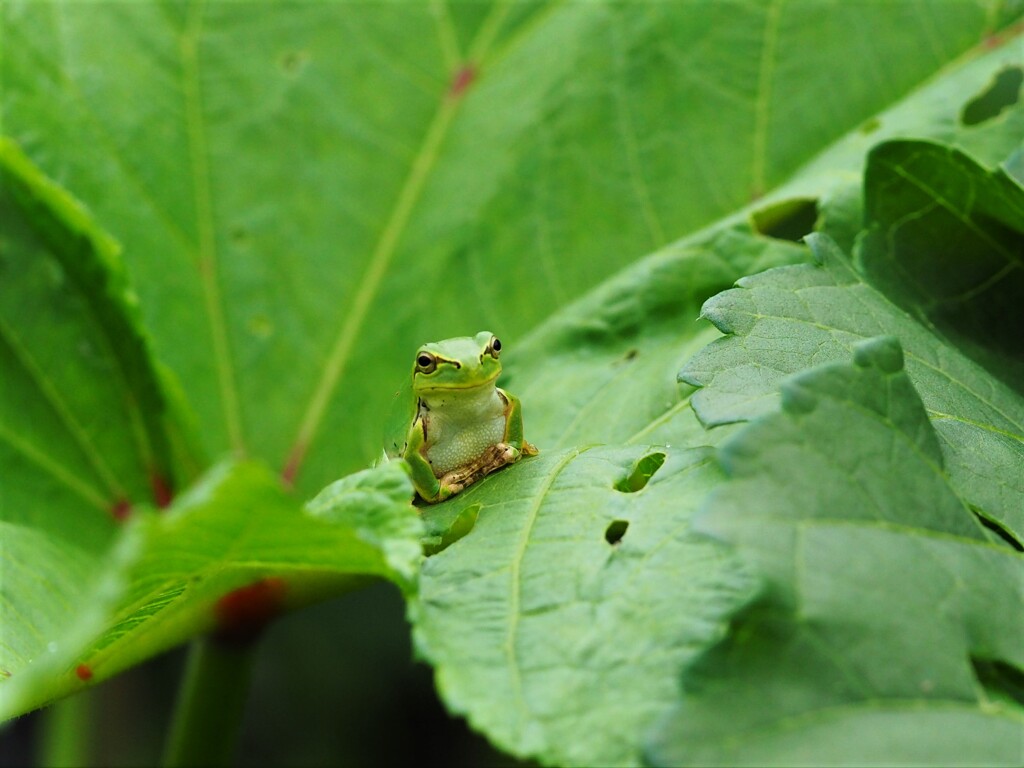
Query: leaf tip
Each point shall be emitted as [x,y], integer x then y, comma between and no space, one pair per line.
[716,311]
[882,352]
[797,399]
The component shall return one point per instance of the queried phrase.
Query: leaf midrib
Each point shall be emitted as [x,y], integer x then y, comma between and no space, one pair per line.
[384,251]
[198,158]
[515,578]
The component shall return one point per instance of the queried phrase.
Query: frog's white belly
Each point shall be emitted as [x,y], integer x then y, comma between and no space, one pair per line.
[457,434]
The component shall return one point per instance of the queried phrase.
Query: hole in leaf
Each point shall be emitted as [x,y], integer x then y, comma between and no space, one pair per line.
[999,679]
[787,220]
[999,530]
[615,531]
[1001,93]
[641,473]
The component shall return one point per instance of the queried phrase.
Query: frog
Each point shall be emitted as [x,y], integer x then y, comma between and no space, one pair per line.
[459,426]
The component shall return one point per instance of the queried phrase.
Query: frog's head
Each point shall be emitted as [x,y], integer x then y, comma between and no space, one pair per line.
[462,363]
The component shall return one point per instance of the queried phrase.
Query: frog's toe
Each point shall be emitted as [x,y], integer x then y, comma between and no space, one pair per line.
[505,453]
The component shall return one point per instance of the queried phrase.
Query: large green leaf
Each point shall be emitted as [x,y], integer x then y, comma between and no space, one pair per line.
[308,191]
[603,370]
[945,239]
[227,556]
[891,630]
[91,580]
[555,625]
[785,320]
[83,419]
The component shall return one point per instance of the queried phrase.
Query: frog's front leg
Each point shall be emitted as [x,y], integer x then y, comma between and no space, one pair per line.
[514,427]
[424,481]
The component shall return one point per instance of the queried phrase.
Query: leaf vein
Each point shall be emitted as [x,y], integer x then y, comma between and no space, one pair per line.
[201,187]
[515,577]
[67,418]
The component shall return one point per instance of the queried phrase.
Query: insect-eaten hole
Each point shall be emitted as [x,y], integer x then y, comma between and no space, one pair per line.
[615,531]
[997,528]
[787,220]
[641,474]
[1000,94]
[999,678]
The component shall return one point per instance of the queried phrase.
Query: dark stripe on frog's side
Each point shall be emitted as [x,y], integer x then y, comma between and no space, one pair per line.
[422,406]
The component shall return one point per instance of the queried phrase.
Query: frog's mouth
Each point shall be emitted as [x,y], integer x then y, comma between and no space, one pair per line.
[463,387]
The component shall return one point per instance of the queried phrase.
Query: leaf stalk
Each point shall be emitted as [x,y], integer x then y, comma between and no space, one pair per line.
[211,703]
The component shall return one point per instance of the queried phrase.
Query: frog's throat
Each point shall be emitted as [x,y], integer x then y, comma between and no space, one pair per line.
[455,388]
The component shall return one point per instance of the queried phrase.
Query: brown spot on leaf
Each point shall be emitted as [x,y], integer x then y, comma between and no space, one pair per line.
[162,493]
[121,510]
[461,81]
[292,464]
[243,612]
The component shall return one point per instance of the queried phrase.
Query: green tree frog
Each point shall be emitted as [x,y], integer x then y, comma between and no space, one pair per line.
[458,425]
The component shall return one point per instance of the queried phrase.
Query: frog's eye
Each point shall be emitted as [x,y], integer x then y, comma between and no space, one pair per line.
[494,346]
[426,362]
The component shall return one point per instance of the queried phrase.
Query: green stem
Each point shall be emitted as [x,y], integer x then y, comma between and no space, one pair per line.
[65,737]
[211,702]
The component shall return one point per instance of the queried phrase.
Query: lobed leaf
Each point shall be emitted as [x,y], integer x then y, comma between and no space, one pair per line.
[945,240]
[883,593]
[792,318]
